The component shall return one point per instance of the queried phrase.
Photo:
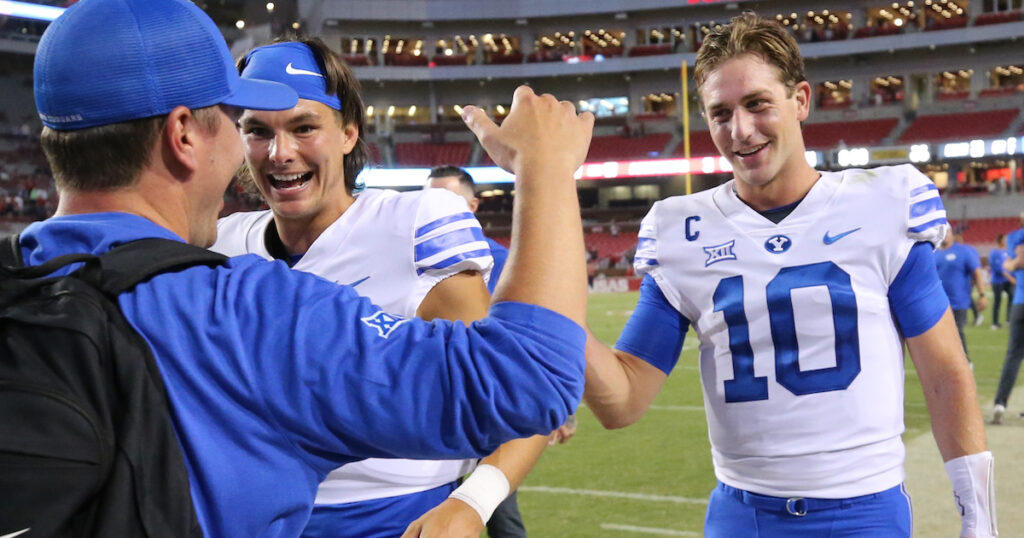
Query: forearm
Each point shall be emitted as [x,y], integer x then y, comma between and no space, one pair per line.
[545,264]
[619,389]
[515,458]
[949,390]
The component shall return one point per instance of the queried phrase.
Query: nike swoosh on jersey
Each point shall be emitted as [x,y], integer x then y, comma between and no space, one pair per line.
[16,533]
[352,285]
[293,71]
[832,239]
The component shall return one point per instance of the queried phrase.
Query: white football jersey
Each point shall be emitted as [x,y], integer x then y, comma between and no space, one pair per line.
[392,248]
[800,358]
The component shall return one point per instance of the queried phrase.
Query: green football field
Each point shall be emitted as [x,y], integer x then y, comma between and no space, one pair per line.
[653,478]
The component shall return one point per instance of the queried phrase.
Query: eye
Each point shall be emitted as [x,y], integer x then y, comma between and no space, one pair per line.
[256,131]
[305,129]
[720,115]
[756,104]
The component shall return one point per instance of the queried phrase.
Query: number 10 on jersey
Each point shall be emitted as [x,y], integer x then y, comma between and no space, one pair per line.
[745,386]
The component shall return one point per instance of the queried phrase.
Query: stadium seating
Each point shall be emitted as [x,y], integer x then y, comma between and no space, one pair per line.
[457,59]
[357,60]
[614,148]
[997,18]
[998,92]
[966,125]
[701,145]
[609,246]
[978,231]
[425,154]
[827,136]
[650,50]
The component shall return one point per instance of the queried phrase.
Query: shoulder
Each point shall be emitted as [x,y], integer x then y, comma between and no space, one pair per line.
[234,229]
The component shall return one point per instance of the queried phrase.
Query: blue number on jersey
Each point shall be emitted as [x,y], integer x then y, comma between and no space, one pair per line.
[745,386]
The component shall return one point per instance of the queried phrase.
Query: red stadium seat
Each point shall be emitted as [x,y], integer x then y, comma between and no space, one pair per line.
[853,133]
[961,126]
[617,148]
[701,145]
[424,154]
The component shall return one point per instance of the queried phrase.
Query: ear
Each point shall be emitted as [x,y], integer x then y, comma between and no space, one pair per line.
[474,203]
[803,100]
[180,142]
[351,136]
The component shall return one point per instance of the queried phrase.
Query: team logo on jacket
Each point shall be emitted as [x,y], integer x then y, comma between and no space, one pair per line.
[777,244]
[384,323]
[720,253]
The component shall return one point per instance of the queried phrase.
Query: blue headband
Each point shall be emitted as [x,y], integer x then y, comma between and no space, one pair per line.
[294,65]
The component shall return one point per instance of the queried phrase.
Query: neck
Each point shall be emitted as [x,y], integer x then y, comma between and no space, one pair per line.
[790,185]
[130,200]
[298,233]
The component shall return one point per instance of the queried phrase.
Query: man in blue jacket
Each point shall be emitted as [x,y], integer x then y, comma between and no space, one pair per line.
[273,375]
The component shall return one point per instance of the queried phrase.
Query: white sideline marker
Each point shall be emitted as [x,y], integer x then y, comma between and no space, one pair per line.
[646,530]
[614,494]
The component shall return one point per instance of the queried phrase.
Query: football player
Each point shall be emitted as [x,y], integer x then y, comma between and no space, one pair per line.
[801,287]
[413,254]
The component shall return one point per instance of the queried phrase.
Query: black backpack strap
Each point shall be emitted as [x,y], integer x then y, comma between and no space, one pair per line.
[12,264]
[126,265]
[10,251]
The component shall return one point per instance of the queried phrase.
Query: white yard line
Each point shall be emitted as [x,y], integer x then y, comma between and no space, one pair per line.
[646,530]
[613,494]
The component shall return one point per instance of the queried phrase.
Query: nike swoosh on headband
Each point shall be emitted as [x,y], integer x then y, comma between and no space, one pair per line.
[296,71]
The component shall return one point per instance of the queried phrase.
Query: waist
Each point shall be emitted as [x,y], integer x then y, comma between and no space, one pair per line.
[799,506]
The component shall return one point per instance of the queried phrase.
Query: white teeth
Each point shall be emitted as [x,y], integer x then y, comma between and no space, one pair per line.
[752,151]
[286,177]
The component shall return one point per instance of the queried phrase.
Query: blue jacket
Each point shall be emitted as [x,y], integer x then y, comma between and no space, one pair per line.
[956,265]
[275,376]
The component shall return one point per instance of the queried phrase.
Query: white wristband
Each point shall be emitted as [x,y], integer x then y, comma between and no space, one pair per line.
[483,490]
[974,493]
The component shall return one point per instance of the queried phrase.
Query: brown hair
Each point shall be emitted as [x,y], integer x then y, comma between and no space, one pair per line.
[341,82]
[749,34]
[111,156]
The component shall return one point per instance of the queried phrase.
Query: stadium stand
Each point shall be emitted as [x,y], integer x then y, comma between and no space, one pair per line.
[826,136]
[700,145]
[966,125]
[611,148]
[428,154]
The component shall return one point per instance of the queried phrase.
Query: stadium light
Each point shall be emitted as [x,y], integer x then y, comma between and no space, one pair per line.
[270,7]
[919,153]
[240,24]
[26,10]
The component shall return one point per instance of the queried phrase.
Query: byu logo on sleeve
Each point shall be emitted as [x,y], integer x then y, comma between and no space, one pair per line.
[777,244]
[384,323]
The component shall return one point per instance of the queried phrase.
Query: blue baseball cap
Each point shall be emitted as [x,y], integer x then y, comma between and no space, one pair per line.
[110,61]
[293,64]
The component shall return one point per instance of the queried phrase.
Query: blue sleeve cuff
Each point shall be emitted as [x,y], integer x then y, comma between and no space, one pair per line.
[656,330]
[916,296]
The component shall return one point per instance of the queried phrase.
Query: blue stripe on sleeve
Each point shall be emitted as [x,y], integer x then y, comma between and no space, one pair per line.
[645,261]
[646,242]
[656,330]
[916,296]
[929,224]
[926,206]
[923,189]
[429,227]
[447,241]
[462,256]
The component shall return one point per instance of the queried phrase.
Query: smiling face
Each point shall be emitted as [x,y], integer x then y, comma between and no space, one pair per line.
[296,158]
[754,120]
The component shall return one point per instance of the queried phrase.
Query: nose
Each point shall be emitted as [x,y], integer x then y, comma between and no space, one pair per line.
[282,149]
[742,125]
